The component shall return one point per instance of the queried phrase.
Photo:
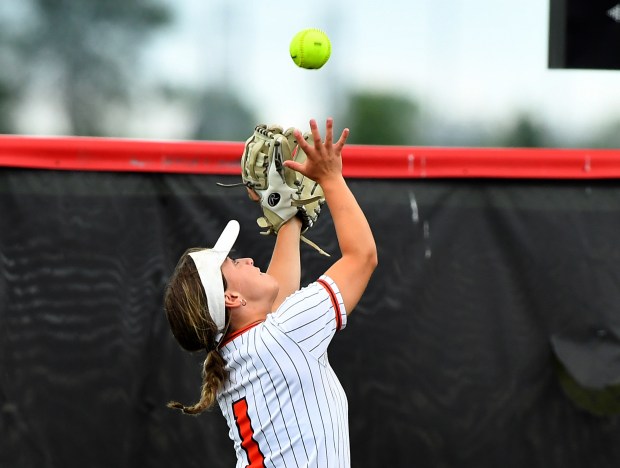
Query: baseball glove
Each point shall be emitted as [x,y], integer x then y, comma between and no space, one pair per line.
[281,192]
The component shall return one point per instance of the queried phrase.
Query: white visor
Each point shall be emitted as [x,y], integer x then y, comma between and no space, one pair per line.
[208,263]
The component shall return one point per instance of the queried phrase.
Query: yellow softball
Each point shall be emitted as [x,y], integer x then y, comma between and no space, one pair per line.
[310,48]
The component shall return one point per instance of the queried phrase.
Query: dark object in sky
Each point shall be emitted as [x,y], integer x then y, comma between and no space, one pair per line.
[584,34]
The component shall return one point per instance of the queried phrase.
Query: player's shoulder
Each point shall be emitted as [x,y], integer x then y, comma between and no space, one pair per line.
[327,282]
[317,295]
[322,284]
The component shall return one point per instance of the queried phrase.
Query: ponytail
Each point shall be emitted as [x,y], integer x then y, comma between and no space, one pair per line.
[213,377]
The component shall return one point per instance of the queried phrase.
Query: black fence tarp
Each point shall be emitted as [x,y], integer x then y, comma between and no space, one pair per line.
[448,361]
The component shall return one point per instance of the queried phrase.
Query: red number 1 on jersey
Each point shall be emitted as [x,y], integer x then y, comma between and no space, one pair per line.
[244,426]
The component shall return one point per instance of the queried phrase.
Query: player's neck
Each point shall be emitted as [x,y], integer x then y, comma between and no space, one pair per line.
[242,317]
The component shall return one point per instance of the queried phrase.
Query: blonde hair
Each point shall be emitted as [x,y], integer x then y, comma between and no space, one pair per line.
[186,308]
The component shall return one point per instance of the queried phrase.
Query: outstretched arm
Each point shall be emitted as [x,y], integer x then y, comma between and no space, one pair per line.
[357,245]
[285,264]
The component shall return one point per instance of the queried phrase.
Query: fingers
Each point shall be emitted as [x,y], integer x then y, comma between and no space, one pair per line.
[342,140]
[301,141]
[252,194]
[294,165]
[316,134]
[316,137]
[329,132]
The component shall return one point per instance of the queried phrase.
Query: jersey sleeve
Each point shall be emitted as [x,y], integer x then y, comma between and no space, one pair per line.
[312,315]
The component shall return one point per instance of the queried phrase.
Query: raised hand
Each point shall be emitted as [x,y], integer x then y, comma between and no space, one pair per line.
[324,159]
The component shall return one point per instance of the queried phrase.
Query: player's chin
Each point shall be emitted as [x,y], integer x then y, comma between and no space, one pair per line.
[266,279]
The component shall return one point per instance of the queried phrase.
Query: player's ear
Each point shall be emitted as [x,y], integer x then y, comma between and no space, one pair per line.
[232,299]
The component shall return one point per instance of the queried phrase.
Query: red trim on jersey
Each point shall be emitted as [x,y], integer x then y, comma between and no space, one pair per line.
[332,296]
[256,459]
[241,331]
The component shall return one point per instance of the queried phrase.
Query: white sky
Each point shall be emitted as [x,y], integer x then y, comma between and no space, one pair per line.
[464,60]
[476,62]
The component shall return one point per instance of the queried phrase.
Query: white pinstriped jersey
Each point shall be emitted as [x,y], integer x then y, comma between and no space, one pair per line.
[283,402]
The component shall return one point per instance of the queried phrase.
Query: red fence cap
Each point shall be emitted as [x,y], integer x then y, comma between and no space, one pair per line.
[359,161]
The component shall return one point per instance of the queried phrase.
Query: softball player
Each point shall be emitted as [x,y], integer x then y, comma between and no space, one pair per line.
[266,338]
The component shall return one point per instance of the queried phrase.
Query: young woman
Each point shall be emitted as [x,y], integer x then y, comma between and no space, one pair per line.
[266,339]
